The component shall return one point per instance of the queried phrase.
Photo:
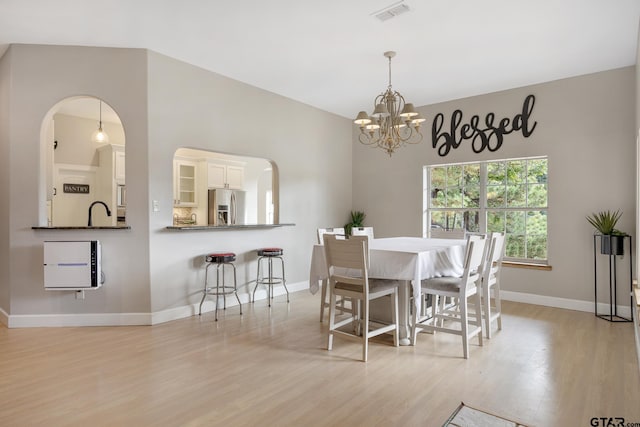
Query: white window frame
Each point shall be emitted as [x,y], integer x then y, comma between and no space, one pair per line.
[482,208]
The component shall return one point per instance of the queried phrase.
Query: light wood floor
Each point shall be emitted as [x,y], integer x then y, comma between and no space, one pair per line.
[548,367]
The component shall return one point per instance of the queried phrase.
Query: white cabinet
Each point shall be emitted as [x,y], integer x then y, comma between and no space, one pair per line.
[225,176]
[216,175]
[118,160]
[112,162]
[185,183]
[235,177]
[110,175]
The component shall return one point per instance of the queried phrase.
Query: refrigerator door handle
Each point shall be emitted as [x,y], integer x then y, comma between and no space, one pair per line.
[233,208]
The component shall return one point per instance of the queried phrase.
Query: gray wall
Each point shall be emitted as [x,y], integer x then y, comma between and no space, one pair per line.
[191,107]
[74,142]
[637,133]
[165,104]
[41,76]
[5,132]
[585,127]
[154,274]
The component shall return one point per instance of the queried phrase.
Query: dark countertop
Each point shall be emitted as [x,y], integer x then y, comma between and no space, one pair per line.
[106,227]
[225,227]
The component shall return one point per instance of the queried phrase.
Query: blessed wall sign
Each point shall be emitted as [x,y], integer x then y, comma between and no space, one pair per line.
[483,135]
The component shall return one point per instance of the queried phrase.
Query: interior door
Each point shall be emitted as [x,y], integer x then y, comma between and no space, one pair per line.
[72,208]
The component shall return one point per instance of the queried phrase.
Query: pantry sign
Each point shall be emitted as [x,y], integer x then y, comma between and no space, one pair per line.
[75,188]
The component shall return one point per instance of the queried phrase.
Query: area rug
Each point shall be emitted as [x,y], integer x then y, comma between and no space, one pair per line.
[466,416]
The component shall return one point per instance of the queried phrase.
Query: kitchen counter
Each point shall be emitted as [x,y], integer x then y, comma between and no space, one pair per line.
[224,227]
[106,227]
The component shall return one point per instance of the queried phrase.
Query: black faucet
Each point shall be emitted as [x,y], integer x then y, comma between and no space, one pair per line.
[98,202]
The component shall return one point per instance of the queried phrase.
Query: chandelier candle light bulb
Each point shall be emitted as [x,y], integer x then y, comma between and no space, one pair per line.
[99,136]
[393,122]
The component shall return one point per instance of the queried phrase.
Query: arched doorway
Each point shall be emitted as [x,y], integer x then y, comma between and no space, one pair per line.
[80,167]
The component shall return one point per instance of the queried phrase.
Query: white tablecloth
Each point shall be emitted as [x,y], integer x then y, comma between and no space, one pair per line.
[402,258]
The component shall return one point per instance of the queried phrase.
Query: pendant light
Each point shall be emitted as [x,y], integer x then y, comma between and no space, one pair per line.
[99,136]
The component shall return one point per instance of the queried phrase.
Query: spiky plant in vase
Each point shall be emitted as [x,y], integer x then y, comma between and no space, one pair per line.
[604,222]
[357,220]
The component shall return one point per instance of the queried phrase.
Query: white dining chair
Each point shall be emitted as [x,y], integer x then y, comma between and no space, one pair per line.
[491,282]
[339,233]
[362,231]
[348,271]
[463,288]
[451,304]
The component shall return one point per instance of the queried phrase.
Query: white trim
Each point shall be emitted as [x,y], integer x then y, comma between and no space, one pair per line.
[139,319]
[569,304]
[132,319]
[71,320]
[636,327]
[483,209]
[4,318]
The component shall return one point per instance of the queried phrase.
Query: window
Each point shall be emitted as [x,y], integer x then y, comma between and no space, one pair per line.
[507,196]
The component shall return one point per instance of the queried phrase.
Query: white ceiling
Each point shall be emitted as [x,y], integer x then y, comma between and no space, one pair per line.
[328,53]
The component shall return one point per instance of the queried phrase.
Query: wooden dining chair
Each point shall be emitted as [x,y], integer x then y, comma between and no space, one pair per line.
[348,271]
[463,288]
[339,233]
[491,281]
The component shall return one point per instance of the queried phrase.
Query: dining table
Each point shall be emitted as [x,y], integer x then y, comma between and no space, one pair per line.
[408,259]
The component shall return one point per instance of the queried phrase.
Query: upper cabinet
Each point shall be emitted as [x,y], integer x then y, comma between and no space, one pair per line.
[254,181]
[118,165]
[185,183]
[112,159]
[110,175]
[225,176]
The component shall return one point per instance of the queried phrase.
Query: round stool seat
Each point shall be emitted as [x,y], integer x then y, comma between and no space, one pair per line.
[270,252]
[220,257]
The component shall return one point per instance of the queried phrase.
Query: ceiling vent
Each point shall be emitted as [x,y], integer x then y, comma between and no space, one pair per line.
[391,11]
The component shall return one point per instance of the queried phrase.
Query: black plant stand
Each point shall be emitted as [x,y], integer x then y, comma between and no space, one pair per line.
[613,283]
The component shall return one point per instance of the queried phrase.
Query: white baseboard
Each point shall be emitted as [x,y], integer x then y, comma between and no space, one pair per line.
[71,320]
[569,304]
[132,319]
[4,318]
[162,316]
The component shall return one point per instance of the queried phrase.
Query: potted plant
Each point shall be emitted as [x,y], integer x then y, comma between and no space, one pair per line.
[357,220]
[612,239]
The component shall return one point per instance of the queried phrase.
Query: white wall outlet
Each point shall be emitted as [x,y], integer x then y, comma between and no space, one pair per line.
[155,206]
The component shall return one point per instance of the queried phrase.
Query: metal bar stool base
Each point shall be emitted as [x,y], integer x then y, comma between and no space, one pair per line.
[269,254]
[221,289]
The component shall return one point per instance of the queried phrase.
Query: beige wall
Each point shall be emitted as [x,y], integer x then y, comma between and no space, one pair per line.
[637,133]
[165,104]
[40,77]
[74,139]
[585,127]
[153,274]
[5,132]
[191,107]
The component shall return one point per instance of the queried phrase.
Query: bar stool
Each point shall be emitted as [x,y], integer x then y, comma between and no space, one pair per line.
[268,255]
[220,260]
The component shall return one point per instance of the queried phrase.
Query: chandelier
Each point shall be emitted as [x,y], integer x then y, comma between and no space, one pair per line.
[393,122]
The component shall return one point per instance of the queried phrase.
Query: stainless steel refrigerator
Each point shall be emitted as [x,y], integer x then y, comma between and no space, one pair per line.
[226,207]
